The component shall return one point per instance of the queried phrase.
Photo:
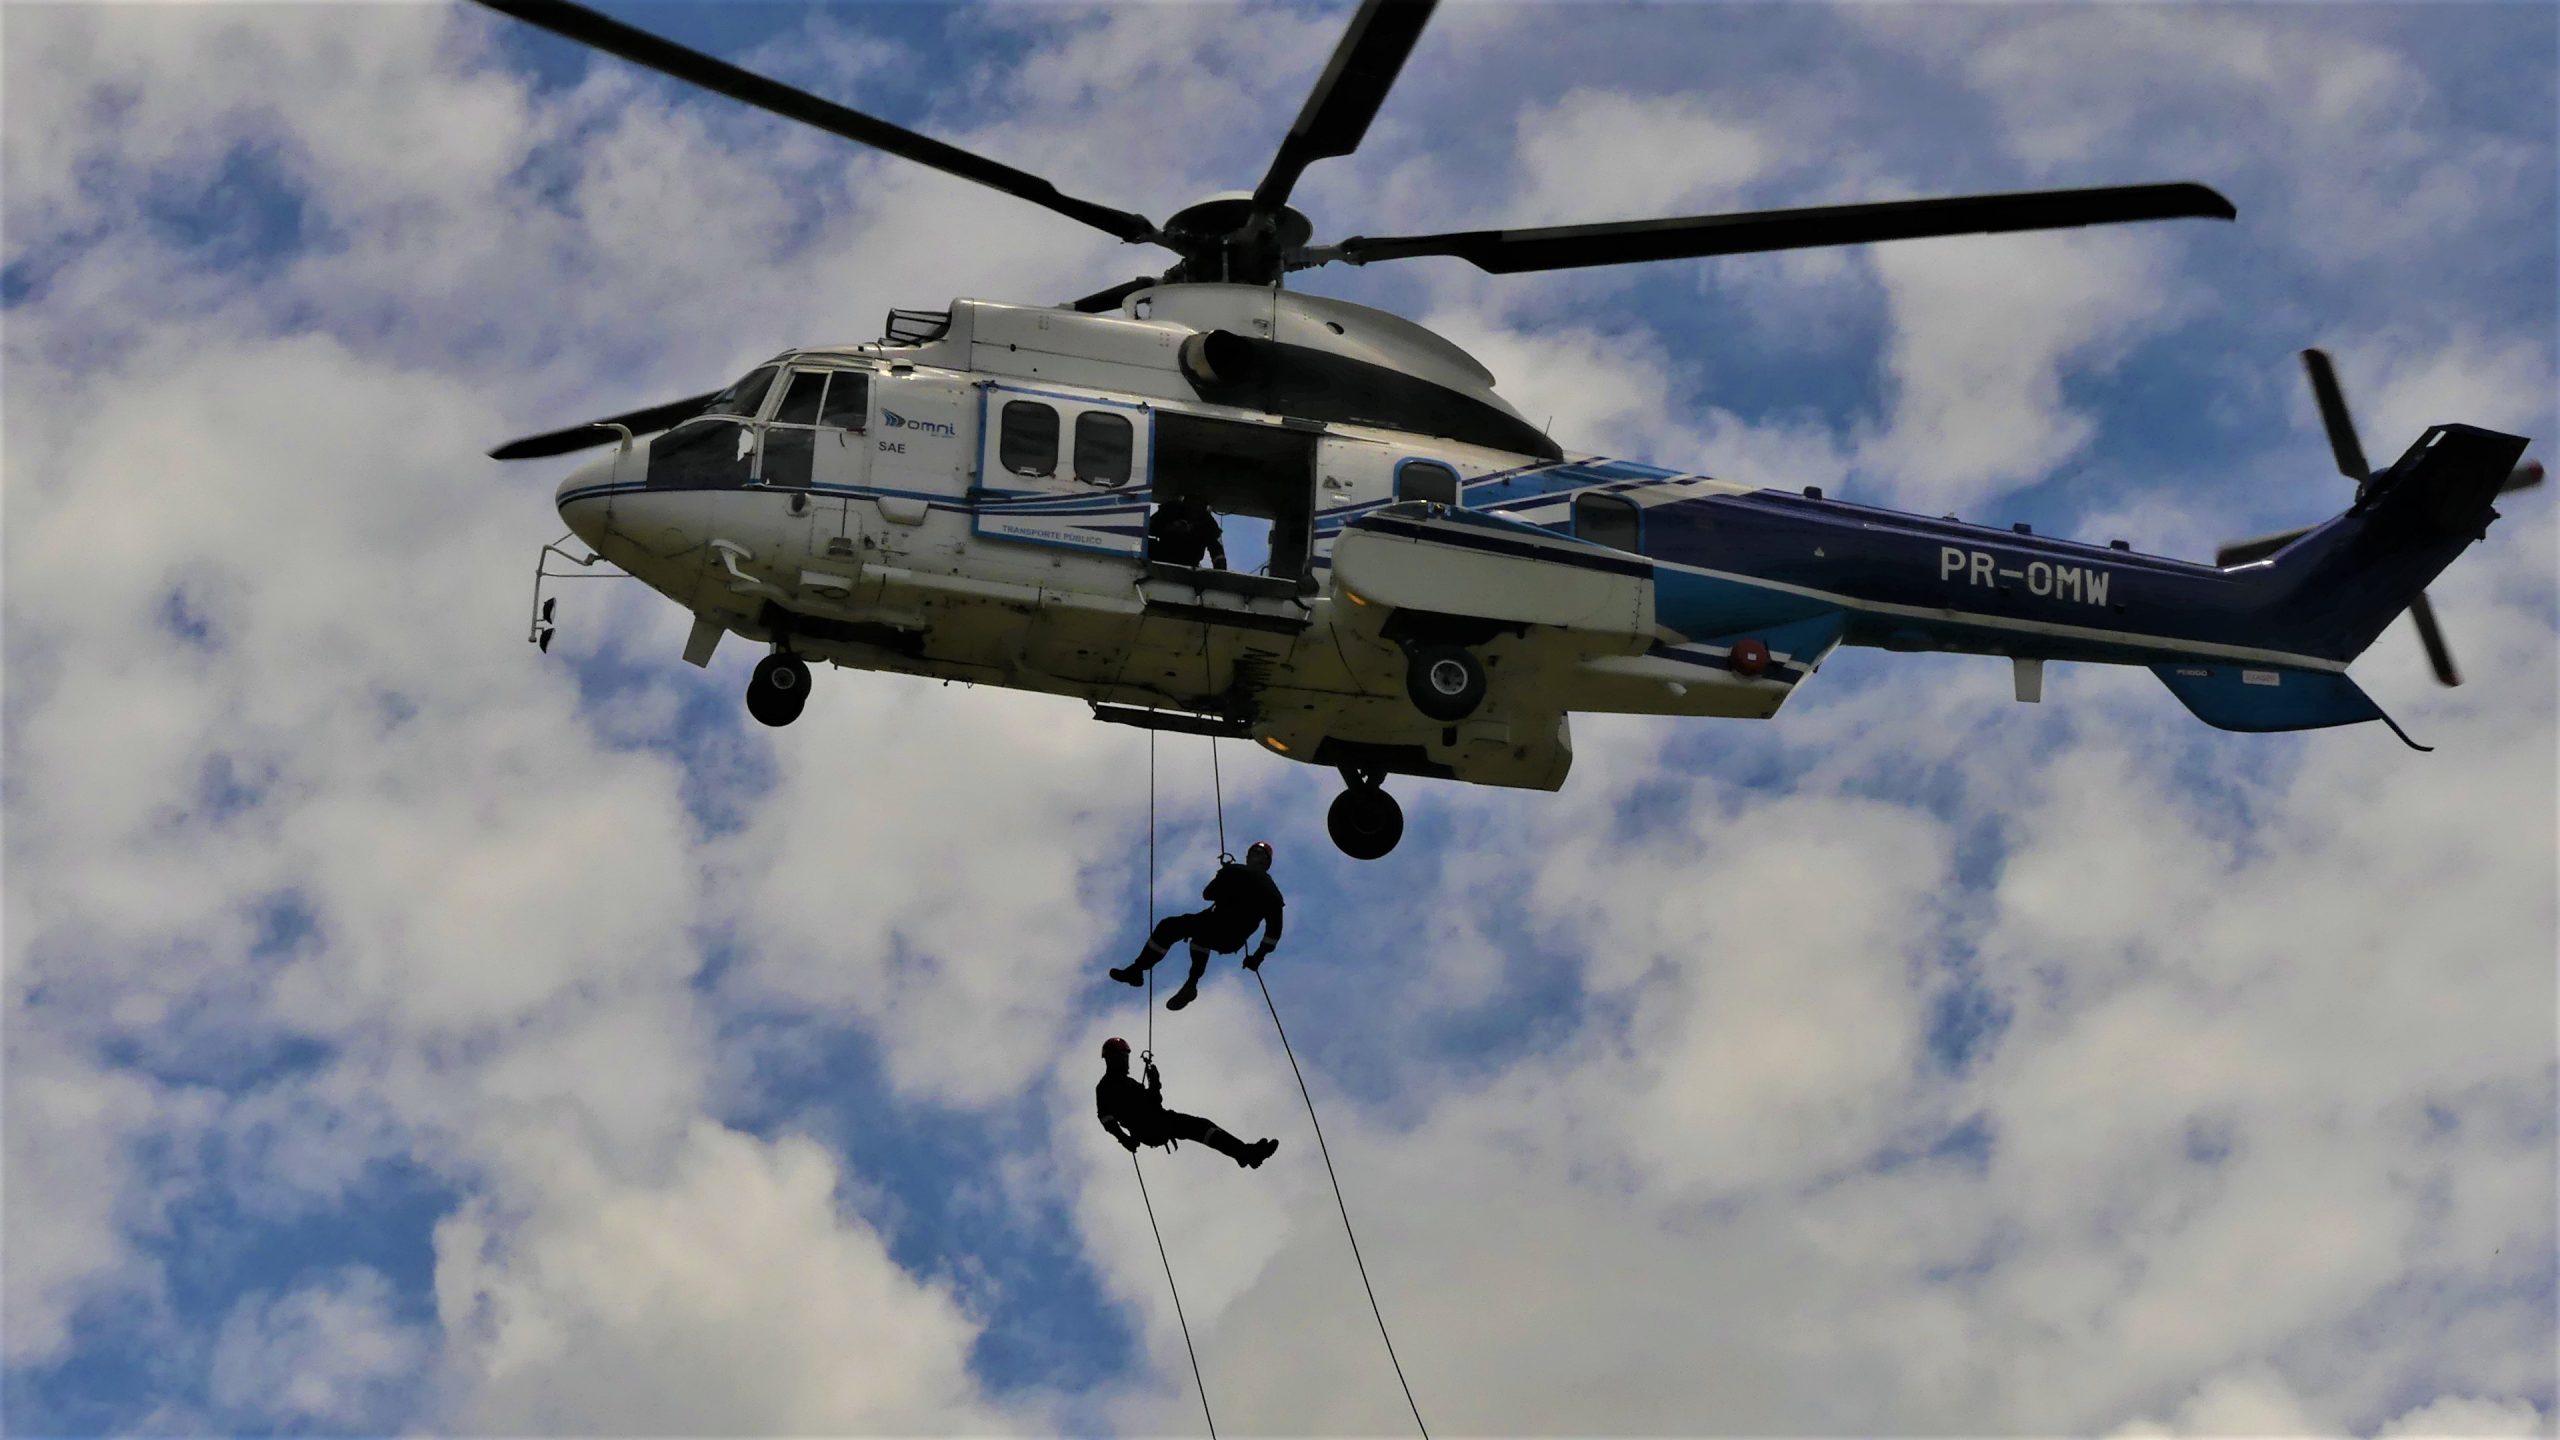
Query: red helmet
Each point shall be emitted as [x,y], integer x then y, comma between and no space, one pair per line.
[1258,854]
[1115,1046]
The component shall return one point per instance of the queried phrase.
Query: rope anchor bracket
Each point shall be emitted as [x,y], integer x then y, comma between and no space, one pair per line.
[540,628]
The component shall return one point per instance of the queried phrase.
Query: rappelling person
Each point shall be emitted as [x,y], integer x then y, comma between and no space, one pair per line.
[1135,1113]
[1181,529]
[1240,896]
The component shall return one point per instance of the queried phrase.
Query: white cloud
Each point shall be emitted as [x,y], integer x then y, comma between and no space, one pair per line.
[958,919]
[1594,155]
[2398,384]
[2329,136]
[1985,329]
[729,1296]
[2466,1415]
[330,1353]
[73,1187]
[2251,1401]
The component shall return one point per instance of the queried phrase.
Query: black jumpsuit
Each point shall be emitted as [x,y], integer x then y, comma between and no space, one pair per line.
[1135,1113]
[1240,898]
[1181,529]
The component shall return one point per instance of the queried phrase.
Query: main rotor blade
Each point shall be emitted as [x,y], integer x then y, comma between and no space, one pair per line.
[2523,477]
[1566,247]
[1347,96]
[1102,302]
[2247,552]
[2431,635]
[2333,415]
[585,26]
[580,437]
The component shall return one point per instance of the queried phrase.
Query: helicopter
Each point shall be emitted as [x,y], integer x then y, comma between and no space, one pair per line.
[973,496]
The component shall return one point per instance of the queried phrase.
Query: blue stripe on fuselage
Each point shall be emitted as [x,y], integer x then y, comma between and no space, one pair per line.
[1984,576]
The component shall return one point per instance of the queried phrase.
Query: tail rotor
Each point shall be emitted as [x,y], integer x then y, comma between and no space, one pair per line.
[2349,451]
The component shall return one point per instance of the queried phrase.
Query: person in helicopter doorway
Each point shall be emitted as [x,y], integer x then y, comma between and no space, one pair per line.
[1182,528]
[1135,1113]
[1240,898]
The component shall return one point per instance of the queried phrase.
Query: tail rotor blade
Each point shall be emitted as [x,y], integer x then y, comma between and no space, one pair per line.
[2431,635]
[2333,414]
[2244,552]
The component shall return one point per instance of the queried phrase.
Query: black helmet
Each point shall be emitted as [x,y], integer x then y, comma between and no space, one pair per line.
[1258,854]
[1115,1046]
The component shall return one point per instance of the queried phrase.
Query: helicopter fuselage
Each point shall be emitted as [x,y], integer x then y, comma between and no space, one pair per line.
[973,504]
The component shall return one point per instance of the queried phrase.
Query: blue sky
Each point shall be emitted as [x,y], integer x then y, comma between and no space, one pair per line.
[410,1032]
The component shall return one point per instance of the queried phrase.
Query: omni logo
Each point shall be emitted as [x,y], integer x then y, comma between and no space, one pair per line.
[896,421]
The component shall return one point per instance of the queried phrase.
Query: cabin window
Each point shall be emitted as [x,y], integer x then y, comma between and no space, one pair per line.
[1029,439]
[1427,480]
[800,402]
[745,397]
[848,401]
[1103,443]
[1609,520]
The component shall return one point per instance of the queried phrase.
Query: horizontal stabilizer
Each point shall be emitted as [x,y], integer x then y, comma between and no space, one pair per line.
[2246,698]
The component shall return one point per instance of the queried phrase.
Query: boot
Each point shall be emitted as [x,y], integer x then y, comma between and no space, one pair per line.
[1130,975]
[1190,990]
[1257,1152]
[1228,1145]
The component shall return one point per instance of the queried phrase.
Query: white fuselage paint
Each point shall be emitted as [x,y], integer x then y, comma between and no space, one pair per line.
[914,549]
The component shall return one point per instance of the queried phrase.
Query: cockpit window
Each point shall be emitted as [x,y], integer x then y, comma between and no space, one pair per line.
[747,396]
[848,400]
[800,402]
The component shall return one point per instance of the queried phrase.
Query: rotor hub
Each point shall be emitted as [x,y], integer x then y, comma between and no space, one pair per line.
[1219,240]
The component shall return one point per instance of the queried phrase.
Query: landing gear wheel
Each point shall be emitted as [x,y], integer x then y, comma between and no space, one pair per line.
[778,689]
[1445,681]
[1365,822]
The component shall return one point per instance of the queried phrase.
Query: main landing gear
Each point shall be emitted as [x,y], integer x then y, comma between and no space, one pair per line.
[779,688]
[1365,821]
[1445,682]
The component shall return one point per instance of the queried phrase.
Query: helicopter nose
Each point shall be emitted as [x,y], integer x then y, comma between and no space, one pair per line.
[582,499]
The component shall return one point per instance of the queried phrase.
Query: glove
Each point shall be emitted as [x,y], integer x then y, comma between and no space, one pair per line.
[1254,960]
[1128,1144]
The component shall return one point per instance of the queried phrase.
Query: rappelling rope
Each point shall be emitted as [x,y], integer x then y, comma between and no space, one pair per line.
[1134,1167]
[1151,900]
[1196,1381]
[1218,787]
[1327,1153]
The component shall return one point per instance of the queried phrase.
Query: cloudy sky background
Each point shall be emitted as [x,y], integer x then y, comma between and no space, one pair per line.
[407,1031]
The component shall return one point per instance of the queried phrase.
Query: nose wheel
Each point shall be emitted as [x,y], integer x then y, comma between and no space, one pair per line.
[1365,821]
[778,689]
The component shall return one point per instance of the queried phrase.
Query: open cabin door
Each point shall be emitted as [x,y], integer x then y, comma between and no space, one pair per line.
[1252,477]
[1063,470]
